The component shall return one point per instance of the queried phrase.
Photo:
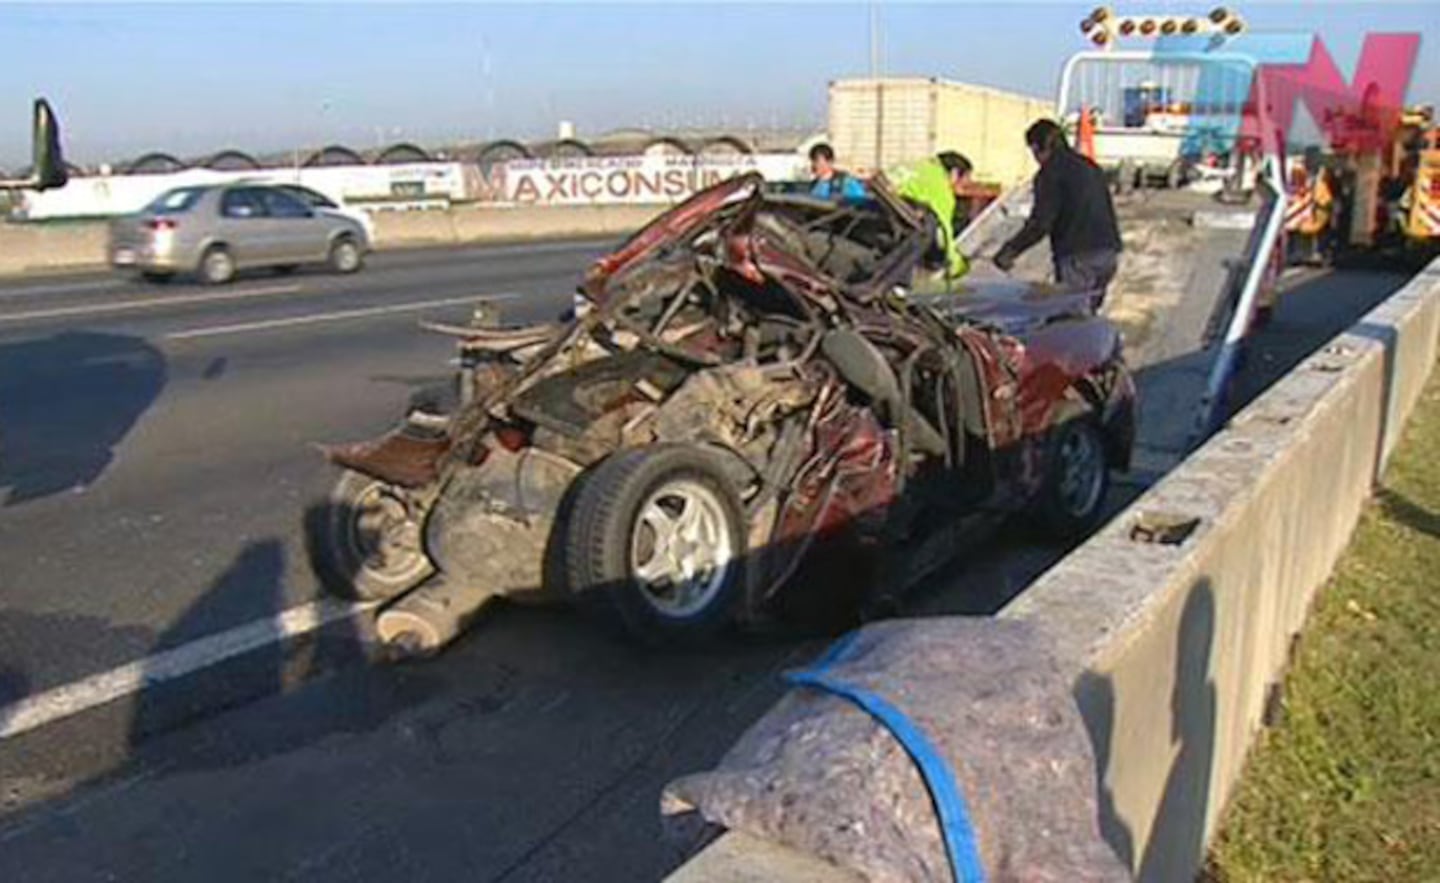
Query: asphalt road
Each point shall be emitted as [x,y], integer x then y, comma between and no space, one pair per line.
[160,497]
[155,458]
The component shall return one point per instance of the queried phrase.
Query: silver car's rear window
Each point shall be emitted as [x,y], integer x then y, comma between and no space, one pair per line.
[312,198]
[174,202]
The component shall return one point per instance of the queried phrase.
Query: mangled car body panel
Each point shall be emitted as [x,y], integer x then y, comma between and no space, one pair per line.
[768,349]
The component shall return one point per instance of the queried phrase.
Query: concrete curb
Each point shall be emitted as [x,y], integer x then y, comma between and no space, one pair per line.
[1176,646]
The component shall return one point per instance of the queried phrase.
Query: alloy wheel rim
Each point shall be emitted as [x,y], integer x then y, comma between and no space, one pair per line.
[1081,473]
[681,549]
[217,266]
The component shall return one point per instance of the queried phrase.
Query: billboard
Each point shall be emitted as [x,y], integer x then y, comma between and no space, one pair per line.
[619,180]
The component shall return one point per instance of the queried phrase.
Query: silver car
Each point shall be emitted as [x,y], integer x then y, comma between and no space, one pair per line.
[216,230]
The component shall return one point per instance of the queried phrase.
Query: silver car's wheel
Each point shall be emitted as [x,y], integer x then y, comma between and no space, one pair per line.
[345,256]
[217,266]
[680,548]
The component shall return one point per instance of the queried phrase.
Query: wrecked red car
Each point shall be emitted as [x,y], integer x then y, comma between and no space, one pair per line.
[753,387]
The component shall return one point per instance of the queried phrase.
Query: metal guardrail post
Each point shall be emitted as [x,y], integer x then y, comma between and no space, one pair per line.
[1272,178]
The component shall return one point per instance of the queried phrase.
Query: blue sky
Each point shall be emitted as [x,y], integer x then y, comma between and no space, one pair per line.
[191,79]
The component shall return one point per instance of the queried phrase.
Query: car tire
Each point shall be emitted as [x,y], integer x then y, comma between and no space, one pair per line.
[656,542]
[1077,477]
[346,256]
[365,543]
[217,266]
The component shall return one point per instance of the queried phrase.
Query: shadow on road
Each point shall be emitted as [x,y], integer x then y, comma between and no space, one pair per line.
[50,760]
[66,402]
[1306,318]
[14,686]
[254,581]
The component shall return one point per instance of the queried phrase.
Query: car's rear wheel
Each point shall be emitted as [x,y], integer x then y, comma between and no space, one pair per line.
[217,266]
[1072,501]
[345,255]
[366,544]
[656,538]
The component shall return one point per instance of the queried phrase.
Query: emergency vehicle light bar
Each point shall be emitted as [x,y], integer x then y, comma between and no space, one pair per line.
[1103,27]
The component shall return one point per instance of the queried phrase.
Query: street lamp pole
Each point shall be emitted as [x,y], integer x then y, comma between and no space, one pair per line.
[879,88]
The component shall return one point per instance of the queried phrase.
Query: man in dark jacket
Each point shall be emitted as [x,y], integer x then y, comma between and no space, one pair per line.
[1073,207]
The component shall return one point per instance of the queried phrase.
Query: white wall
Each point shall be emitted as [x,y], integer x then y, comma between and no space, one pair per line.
[103,195]
[611,180]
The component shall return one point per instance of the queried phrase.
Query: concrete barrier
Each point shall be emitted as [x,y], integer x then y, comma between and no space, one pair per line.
[40,248]
[1177,619]
[489,224]
[80,245]
[1179,646]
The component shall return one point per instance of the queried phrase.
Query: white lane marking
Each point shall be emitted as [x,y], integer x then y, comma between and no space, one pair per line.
[58,288]
[151,303]
[338,316]
[72,698]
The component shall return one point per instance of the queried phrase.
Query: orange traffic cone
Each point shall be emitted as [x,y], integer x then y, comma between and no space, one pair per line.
[1085,138]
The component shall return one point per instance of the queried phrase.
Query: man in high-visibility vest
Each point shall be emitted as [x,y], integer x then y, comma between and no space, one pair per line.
[937,183]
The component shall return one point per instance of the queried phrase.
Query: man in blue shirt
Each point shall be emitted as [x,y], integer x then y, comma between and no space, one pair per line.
[829,182]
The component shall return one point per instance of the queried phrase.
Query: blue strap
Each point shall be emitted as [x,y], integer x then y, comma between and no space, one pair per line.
[955,825]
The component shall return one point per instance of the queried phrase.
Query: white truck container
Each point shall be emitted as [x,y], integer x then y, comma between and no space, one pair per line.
[880,123]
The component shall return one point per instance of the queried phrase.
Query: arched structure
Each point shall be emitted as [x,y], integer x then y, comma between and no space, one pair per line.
[501,151]
[231,161]
[726,145]
[569,147]
[334,155]
[155,164]
[404,152]
[667,145]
